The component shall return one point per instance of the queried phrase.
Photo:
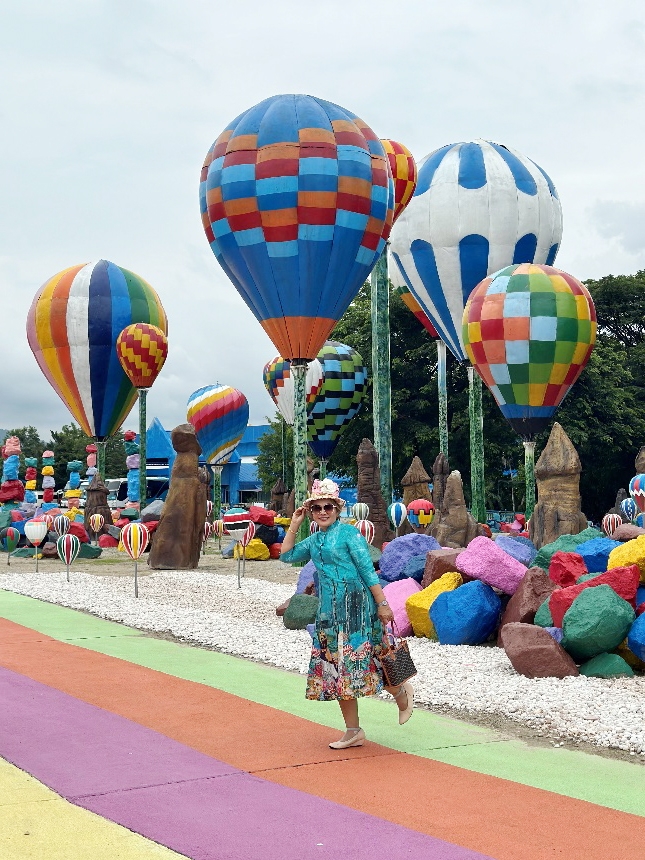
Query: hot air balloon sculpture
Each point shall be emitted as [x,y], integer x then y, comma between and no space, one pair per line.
[236,522]
[313,527]
[208,531]
[297,204]
[142,350]
[61,524]
[340,398]
[278,381]
[219,415]
[629,509]
[610,523]
[420,515]
[366,528]
[218,530]
[72,328]
[36,532]
[397,514]
[529,331]
[403,170]
[637,491]
[135,538]
[68,547]
[478,206]
[96,523]
[361,511]
[209,509]
[10,539]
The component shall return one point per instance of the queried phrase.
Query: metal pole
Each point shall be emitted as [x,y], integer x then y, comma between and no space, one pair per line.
[529,474]
[36,552]
[323,468]
[442,390]
[143,474]
[68,573]
[217,491]
[381,383]
[299,372]
[100,444]
[136,582]
[243,560]
[478,507]
[239,581]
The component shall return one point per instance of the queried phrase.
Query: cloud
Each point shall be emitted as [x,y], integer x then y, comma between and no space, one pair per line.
[621,220]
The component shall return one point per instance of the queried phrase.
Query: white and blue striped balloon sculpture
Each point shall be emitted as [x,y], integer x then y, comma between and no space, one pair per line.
[397,514]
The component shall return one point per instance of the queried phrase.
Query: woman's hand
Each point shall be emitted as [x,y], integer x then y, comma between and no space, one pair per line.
[298,516]
[385,615]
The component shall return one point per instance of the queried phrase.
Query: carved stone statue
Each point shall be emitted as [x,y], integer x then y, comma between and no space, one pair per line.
[639,462]
[415,483]
[440,472]
[277,495]
[177,541]
[96,503]
[557,473]
[453,525]
[369,491]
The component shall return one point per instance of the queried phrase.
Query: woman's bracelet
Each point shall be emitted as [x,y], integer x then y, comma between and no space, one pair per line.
[292,532]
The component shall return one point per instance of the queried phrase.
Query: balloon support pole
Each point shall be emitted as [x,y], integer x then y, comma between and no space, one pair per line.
[381,382]
[217,492]
[529,474]
[299,373]
[67,572]
[442,391]
[143,472]
[243,561]
[478,503]
[322,463]
[100,457]
[239,580]
[136,580]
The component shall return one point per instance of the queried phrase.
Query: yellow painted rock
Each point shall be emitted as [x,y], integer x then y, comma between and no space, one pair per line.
[418,605]
[255,551]
[629,657]
[631,552]
[282,521]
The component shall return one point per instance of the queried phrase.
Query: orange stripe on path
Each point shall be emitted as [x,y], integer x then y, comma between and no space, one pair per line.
[505,820]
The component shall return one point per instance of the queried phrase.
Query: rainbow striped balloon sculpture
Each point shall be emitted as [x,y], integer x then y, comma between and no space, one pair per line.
[135,538]
[219,415]
[72,328]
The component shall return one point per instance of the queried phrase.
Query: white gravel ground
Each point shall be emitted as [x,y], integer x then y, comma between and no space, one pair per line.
[208,609]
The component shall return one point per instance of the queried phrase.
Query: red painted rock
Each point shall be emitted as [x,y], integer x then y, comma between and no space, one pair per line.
[107,541]
[627,531]
[274,550]
[566,567]
[438,562]
[533,652]
[484,560]
[533,590]
[624,581]
[78,529]
[280,610]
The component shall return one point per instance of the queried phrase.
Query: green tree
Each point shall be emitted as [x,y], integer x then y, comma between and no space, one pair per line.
[69,443]
[30,442]
[275,459]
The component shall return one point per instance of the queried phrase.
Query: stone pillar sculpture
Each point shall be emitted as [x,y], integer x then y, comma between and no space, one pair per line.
[369,491]
[96,503]
[177,541]
[277,495]
[557,473]
[453,525]
[415,483]
[440,472]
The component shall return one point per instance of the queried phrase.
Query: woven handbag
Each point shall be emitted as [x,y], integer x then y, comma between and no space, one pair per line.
[396,660]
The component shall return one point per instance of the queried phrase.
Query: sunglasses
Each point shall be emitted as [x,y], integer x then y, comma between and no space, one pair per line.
[317,509]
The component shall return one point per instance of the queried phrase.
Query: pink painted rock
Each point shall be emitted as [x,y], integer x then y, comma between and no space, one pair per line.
[627,531]
[533,652]
[396,593]
[566,567]
[438,562]
[484,560]
[624,581]
[533,590]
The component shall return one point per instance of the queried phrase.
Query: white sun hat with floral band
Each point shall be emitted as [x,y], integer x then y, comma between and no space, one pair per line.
[325,489]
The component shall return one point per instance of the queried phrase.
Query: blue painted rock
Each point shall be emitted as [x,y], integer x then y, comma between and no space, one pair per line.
[565,543]
[415,567]
[483,559]
[516,549]
[598,620]
[636,637]
[466,616]
[533,652]
[606,666]
[595,553]
[399,551]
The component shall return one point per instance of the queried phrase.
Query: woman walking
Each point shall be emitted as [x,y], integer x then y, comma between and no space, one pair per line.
[352,610]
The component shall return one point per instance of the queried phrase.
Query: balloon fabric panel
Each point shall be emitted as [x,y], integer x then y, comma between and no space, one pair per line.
[278,381]
[340,398]
[529,331]
[403,170]
[72,329]
[219,415]
[477,207]
[297,204]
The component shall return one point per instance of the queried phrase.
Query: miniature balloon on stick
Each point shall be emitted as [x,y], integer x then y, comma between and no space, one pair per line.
[420,515]
[397,514]
[246,539]
[637,491]
[610,523]
[68,547]
[135,538]
[36,532]
[629,509]
[366,528]
[10,540]
[361,511]
[96,523]
[61,524]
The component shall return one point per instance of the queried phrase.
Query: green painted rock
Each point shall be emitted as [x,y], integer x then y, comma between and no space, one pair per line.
[587,576]
[565,543]
[543,615]
[301,611]
[606,666]
[597,621]
[88,550]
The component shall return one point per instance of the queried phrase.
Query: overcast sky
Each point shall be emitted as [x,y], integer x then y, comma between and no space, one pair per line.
[108,108]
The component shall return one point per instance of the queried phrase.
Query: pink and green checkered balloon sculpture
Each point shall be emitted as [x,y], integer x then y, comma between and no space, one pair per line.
[529,331]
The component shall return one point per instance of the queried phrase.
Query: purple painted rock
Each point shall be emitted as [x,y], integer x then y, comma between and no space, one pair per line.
[565,568]
[305,577]
[524,552]
[533,590]
[627,531]
[533,652]
[396,593]
[438,562]
[399,551]
[484,560]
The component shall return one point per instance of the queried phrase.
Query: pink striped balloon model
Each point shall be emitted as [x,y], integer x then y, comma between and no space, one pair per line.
[135,538]
[68,547]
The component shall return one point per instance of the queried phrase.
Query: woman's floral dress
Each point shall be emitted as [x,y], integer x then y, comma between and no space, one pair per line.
[348,640]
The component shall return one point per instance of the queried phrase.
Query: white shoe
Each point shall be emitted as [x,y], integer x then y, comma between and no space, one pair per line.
[406,713]
[356,740]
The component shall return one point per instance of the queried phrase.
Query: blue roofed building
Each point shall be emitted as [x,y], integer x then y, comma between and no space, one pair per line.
[239,476]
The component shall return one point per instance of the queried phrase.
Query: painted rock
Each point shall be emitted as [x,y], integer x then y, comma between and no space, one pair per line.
[565,568]
[399,551]
[415,567]
[632,552]
[466,616]
[484,560]
[636,638]
[623,580]
[606,666]
[438,562]
[598,620]
[396,594]
[257,550]
[520,551]
[628,531]
[418,605]
[533,590]
[595,553]
[533,652]
[565,543]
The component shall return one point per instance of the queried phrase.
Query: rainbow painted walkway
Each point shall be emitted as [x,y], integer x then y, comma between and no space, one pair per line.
[121,746]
